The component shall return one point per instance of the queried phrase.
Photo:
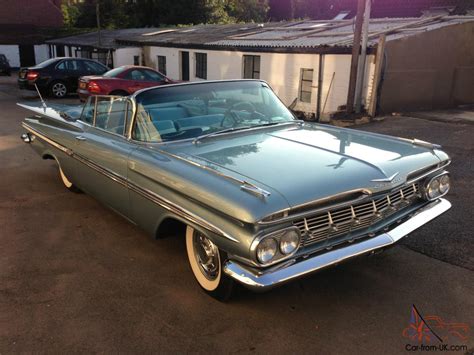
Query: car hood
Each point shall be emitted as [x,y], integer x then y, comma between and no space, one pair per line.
[309,162]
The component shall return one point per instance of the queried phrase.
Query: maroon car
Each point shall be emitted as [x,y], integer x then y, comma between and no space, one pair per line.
[122,81]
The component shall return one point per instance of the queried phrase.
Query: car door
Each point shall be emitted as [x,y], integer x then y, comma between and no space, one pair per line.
[69,71]
[93,68]
[153,78]
[104,151]
[136,79]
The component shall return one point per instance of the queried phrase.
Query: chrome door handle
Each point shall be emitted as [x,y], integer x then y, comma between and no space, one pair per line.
[81,138]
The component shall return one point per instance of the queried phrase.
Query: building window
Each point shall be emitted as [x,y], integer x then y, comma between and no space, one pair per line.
[102,57]
[251,67]
[161,59]
[136,60]
[306,85]
[201,65]
[82,53]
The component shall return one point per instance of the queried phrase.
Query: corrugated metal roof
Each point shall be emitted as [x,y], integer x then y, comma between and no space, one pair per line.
[307,36]
[108,38]
[334,33]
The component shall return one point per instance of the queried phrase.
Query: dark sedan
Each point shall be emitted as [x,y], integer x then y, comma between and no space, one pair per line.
[4,65]
[58,76]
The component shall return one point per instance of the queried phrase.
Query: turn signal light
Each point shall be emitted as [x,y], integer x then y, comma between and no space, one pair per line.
[93,87]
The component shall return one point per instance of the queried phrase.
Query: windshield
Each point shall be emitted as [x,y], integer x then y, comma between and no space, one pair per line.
[114,72]
[47,62]
[192,111]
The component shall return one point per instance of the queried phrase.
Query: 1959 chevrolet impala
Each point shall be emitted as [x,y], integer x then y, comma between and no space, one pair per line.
[262,198]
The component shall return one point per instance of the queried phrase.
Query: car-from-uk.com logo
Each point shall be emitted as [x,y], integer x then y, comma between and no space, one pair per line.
[432,333]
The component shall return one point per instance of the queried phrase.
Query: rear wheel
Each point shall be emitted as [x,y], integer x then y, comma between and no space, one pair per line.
[58,89]
[69,185]
[206,262]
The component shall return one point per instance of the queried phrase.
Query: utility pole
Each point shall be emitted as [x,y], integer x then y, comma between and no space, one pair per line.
[355,56]
[363,52]
[97,12]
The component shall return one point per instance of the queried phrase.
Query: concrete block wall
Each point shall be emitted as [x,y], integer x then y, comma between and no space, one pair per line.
[12,52]
[124,56]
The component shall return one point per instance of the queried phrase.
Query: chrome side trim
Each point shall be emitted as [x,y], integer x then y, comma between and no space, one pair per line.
[46,139]
[263,280]
[172,207]
[104,171]
[244,185]
[152,196]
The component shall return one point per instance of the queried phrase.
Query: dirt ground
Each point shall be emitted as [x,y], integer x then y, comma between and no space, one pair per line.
[75,277]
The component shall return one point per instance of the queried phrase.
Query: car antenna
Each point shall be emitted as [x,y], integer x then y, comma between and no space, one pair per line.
[43,103]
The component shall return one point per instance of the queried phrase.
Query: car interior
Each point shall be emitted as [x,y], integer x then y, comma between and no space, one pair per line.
[183,117]
[206,113]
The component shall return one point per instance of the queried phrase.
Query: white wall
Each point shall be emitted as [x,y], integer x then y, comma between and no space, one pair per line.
[41,53]
[124,56]
[12,52]
[281,70]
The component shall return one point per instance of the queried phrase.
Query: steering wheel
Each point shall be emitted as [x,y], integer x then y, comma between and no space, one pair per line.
[240,106]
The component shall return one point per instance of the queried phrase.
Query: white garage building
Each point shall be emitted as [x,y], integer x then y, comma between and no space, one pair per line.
[307,63]
[289,56]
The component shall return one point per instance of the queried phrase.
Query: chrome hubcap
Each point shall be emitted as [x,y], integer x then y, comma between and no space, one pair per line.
[207,256]
[59,89]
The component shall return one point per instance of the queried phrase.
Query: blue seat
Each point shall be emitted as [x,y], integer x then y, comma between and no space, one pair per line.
[167,113]
[200,121]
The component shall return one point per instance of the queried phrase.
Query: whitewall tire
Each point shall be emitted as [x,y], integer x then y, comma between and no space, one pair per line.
[206,262]
[69,185]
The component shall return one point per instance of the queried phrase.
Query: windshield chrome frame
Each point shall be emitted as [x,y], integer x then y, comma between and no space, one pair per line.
[135,107]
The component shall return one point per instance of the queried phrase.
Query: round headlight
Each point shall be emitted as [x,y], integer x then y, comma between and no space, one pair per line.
[444,184]
[266,250]
[289,242]
[433,189]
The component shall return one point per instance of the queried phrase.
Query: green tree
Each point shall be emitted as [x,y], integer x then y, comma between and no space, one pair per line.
[248,10]
[70,14]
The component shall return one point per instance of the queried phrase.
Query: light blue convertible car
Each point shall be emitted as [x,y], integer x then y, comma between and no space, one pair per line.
[261,197]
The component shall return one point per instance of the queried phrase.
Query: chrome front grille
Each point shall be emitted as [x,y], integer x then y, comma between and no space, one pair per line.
[334,223]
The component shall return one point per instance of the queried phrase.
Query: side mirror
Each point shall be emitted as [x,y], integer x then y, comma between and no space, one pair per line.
[66,117]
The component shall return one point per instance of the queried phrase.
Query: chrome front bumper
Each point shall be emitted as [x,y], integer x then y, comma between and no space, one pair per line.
[294,269]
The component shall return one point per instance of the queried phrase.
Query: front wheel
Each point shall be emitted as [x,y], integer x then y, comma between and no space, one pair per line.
[206,262]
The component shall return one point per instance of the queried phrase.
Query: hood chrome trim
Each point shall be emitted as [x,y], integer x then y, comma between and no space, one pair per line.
[387,179]
[244,185]
[422,143]
[254,189]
